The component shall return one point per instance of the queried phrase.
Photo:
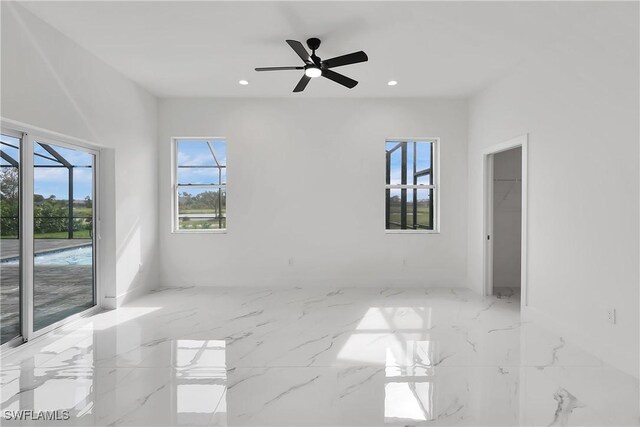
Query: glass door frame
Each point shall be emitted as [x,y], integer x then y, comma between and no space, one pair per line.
[29,136]
[19,339]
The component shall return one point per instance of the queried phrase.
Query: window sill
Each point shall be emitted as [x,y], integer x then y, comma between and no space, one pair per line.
[411,232]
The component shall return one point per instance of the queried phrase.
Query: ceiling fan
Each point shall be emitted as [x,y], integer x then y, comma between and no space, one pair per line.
[315,67]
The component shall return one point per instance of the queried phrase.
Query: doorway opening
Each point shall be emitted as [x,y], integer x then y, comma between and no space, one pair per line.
[505,201]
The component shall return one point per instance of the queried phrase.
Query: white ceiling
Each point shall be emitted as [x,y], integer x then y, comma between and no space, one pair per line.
[202,49]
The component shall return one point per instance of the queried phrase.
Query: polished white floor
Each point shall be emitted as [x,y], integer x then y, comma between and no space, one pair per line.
[262,357]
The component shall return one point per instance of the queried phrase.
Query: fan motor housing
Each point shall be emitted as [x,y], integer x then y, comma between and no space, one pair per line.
[313,43]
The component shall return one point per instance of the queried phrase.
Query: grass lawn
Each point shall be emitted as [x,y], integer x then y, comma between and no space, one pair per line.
[200,211]
[201,223]
[82,211]
[78,234]
[422,217]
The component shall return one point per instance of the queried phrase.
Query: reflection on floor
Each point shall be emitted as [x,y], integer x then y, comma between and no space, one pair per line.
[193,356]
[502,292]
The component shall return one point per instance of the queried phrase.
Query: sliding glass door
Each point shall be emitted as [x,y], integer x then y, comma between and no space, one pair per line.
[10,242]
[63,266]
[48,265]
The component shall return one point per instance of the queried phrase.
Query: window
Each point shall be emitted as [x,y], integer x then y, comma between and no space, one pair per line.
[410,185]
[200,185]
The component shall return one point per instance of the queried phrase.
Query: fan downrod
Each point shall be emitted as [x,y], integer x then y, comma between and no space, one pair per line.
[313,43]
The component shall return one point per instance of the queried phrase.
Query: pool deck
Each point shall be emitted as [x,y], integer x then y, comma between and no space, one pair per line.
[10,248]
[59,290]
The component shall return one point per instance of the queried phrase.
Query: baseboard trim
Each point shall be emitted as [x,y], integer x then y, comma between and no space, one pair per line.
[113,302]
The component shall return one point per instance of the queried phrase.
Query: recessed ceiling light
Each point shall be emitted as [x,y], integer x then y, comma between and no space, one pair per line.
[243,82]
[392,83]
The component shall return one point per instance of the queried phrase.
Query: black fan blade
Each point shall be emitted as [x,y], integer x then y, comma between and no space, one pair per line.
[300,50]
[339,78]
[278,68]
[351,58]
[302,83]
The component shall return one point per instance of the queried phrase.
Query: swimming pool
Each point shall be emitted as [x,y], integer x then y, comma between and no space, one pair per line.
[82,255]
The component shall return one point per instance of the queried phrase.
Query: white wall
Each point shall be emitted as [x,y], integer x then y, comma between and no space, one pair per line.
[507,218]
[579,104]
[49,82]
[306,182]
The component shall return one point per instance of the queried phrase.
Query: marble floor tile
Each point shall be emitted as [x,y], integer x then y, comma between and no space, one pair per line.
[317,357]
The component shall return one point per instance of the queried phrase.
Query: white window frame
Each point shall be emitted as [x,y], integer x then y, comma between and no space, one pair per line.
[435,184]
[175,187]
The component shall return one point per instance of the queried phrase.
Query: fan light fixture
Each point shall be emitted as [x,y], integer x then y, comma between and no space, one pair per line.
[315,67]
[313,72]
